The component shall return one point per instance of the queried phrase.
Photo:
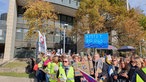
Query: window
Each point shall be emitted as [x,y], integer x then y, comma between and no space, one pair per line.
[20,11]
[70,20]
[66,19]
[19,34]
[3,16]
[1,32]
[63,19]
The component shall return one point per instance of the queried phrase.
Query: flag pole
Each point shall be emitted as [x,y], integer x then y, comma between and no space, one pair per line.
[36,55]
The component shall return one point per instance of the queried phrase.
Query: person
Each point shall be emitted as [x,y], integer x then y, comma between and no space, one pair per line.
[99,67]
[140,72]
[48,60]
[113,71]
[65,72]
[144,59]
[40,75]
[133,66]
[77,64]
[123,73]
[31,63]
[52,68]
[85,67]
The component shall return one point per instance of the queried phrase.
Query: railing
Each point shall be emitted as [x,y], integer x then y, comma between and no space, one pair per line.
[69,3]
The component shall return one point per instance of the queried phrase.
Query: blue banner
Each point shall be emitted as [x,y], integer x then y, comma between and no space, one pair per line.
[96,40]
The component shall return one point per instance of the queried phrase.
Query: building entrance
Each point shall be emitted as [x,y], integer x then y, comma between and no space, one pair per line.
[2,49]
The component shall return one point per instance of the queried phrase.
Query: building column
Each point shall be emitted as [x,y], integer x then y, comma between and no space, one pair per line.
[10,31]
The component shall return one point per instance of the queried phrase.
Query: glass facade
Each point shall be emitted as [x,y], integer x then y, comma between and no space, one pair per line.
[20,33]
[69,3]
[54,38]
[3,19]
[64,19]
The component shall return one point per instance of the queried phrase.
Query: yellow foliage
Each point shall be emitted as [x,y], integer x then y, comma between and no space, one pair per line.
[37,14]
[96,16]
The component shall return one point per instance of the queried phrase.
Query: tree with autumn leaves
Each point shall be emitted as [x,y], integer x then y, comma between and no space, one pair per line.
[99,16]
[40,16]
[92,16]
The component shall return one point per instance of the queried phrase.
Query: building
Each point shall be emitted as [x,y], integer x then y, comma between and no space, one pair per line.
[13,30]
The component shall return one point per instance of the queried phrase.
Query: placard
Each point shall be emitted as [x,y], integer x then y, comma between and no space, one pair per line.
[96,40]
[77,65]
[86,67]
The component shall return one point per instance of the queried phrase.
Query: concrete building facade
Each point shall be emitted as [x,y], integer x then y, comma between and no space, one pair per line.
[14,43]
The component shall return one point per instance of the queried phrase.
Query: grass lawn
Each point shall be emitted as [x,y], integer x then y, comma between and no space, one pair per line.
[14,74]
[14,65]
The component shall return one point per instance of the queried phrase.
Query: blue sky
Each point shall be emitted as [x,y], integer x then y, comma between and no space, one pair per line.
[4,6]
[138,3]
[133,3]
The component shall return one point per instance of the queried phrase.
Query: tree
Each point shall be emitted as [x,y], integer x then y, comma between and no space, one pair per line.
[96,16]
[88,17]
[38,15]
[130,32]
[142,21]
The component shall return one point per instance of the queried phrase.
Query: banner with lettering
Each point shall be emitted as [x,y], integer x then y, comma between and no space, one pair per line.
[96,40]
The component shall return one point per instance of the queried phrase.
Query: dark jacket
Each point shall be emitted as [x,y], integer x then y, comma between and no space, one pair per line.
[104,69]
[131,72]
[111,75]
[121,78]
[140,73]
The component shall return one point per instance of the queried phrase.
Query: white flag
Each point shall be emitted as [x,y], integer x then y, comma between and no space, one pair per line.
[42,43]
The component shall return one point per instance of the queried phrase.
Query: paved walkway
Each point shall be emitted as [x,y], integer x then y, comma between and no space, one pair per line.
[15,79]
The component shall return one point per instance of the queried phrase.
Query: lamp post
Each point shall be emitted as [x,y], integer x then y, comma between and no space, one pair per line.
[140,45]
[127,5]
[65,26]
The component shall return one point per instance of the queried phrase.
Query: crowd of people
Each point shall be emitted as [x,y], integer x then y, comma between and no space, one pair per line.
[66,68]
